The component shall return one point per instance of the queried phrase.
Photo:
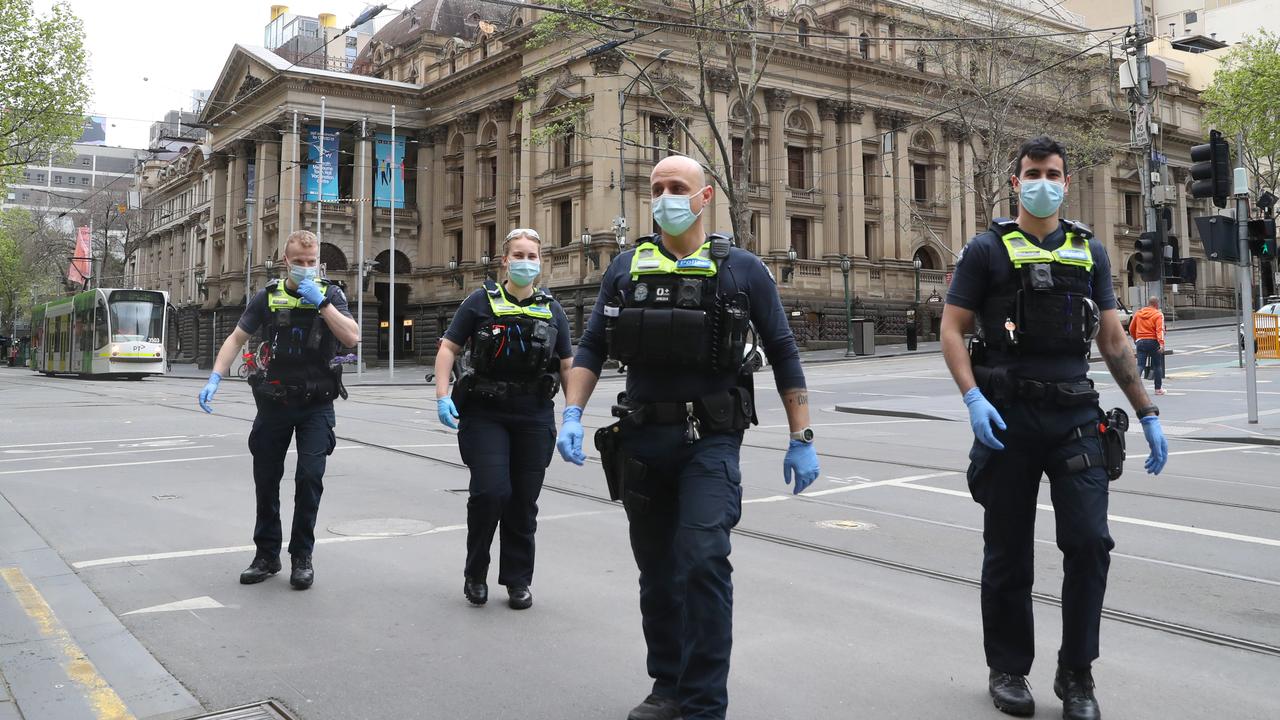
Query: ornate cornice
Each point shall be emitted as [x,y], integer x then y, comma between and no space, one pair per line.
[469,123]
[829,109]
[853,112]
[608,63]
[501,109]
[888,119]
[720,81]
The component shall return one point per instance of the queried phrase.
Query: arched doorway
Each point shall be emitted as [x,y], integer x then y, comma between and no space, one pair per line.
[929,260]
[383,263]
[382,291]
[332,258]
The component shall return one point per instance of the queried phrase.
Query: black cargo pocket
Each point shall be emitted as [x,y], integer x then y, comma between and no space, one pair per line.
[551,446]
[979,457]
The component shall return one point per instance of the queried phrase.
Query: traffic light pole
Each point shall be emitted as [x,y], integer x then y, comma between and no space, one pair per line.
[1245,280]
[1155,288]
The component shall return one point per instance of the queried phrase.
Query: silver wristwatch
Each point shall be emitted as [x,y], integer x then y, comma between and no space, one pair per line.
[805,435]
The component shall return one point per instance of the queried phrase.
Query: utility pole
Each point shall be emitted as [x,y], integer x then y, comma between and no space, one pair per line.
[1149,169]
[1244,275]
[362,164]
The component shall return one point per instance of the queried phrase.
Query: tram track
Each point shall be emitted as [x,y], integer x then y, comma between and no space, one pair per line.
[1129,618]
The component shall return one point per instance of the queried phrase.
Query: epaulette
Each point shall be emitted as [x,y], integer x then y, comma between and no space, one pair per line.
[1000,226]
[491,287]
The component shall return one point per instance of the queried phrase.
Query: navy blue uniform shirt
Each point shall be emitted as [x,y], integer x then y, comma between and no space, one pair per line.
[258,314]
[740,272]
[475,310]
[984,264]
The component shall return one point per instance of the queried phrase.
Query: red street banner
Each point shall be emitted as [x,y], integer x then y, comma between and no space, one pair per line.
[80,262]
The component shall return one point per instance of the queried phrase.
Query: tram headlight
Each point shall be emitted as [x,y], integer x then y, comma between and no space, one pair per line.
[115,350]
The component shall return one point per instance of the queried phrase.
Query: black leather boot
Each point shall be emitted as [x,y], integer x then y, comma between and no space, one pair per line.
[303,574]
[1075,689]
[1011,694]
[519,597]
[260,569]
[656,707]
[477,591]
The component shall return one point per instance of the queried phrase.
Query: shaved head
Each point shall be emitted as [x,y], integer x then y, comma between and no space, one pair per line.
[683,166]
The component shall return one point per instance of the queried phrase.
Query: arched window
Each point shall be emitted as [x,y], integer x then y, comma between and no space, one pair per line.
[332,257]
[804,33]
[864,46]
[920,59]
[926,258]
[382,263]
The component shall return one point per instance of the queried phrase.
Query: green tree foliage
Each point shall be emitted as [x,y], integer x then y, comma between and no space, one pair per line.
[1245,97]
[43,88]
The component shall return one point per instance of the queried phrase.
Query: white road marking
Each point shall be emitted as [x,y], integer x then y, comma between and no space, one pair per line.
[111,452]
[45,450]
[850,488]
[1238,416]
[1254,540]
[1203,349]
[842,424]
[199,603]
[81,442]
[29,471]
[401,447]
[1206,450]
[126,559]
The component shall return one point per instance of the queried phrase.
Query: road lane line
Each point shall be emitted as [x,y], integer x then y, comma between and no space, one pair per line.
[895,421]
[850,488]
[82,442]
[111,452]
[1219,534]
[103,701]
[1206,450]
[126,464]
[126,559]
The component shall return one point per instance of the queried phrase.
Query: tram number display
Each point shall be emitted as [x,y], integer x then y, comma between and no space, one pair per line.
[136,296]
[153,340]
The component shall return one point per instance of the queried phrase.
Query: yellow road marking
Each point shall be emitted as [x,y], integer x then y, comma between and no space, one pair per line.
[103,701]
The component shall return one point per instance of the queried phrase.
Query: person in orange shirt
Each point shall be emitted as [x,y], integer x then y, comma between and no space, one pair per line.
[1147,330]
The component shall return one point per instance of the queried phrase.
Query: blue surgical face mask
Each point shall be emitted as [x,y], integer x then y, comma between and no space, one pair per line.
[672,213]
[1041,198]
[297,273]
[523,272]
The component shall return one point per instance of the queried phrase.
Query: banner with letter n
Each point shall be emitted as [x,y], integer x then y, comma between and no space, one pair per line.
[322,175]
[390,167]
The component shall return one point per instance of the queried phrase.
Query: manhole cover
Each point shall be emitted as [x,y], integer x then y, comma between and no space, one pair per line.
[269,710]
[845,525]
[381,527]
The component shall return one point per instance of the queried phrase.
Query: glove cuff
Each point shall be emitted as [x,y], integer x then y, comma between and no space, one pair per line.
[215,376]
[1150,420]
[572,413]
[973,396]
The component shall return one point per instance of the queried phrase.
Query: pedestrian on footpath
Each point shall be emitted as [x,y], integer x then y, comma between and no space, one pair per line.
[1037,290]
[303,319]
[1147,330]
[675,310]
[503,409]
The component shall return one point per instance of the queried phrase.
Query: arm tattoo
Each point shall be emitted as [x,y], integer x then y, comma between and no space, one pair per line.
[800,398]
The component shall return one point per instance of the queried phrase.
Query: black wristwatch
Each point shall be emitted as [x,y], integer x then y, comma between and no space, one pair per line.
[324,302]
[1148,410]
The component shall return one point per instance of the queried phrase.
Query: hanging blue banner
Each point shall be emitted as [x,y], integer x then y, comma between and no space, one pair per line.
[389,165]
[322,174]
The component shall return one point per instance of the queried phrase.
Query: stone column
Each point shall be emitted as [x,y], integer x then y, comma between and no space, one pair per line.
[776,101]
[527,89]
[827,244]
[362,188]
[290,184]
[720,82]
[232,254]
[502,115]
[470,242]
[886,247]
[902,183]
[600,206]
[266,183]
[217,208]
[1103,198]
[970,197]
[853,235]
[953,135]
[439,136]
[428,168]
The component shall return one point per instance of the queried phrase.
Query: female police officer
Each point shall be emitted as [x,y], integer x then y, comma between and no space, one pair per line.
[519,346]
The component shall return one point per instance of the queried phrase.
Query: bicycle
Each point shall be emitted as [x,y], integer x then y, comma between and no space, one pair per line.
[255,362]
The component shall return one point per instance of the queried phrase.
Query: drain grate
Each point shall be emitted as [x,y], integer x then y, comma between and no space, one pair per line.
[269,710]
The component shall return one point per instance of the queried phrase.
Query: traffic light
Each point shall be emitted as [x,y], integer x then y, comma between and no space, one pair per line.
[1150,256]
[1172,259]
[1211,169]
[1262,238]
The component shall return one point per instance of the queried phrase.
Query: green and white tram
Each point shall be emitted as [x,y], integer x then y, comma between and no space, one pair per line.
[101,332]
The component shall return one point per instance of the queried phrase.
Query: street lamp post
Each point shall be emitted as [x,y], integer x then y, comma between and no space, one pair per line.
[916,263]
[621,223]
[848,308]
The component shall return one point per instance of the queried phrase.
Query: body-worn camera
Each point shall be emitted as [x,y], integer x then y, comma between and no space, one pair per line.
[689,293]
[1042,276]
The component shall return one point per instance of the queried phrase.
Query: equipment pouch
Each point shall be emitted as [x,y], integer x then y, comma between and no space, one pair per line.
[637,495]
[462,391]
[625,341]
[607,443]
[688,334]
[1115,424]
[1074,394]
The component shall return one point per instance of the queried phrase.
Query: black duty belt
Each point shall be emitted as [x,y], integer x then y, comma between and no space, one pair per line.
[998,383]
[730,409]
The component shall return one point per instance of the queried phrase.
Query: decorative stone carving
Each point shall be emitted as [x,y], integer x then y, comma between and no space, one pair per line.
[606,63]
[468,123]
[955,132]
[888,119]
[527,87]
[776,100]
[720,81]
[501,109]
[853,112]
[829,109]
[426,137]
[250,84]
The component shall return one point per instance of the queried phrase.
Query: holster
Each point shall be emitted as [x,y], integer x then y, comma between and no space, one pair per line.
[623,474]
[1110,430]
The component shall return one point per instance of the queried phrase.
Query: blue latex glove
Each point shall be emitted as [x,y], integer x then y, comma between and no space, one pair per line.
[447,412]
[569,442]
[1155,440]
[210,388]
[310,291]
[982,415]
[802,461]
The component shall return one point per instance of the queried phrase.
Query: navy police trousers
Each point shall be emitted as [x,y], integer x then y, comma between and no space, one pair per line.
[680,539]
[508,451]
[274,426]
[1006,483]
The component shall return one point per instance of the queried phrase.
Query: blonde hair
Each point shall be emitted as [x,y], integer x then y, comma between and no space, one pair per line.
[526,233]
[301,238]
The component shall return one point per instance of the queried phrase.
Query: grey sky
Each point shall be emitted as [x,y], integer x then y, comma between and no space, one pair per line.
[178,45]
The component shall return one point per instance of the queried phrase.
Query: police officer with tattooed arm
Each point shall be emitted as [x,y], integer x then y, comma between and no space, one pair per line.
[1037,290]
[676,311]
[303,320]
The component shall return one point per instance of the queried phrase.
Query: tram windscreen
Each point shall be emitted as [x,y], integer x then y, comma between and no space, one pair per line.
[136,316]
